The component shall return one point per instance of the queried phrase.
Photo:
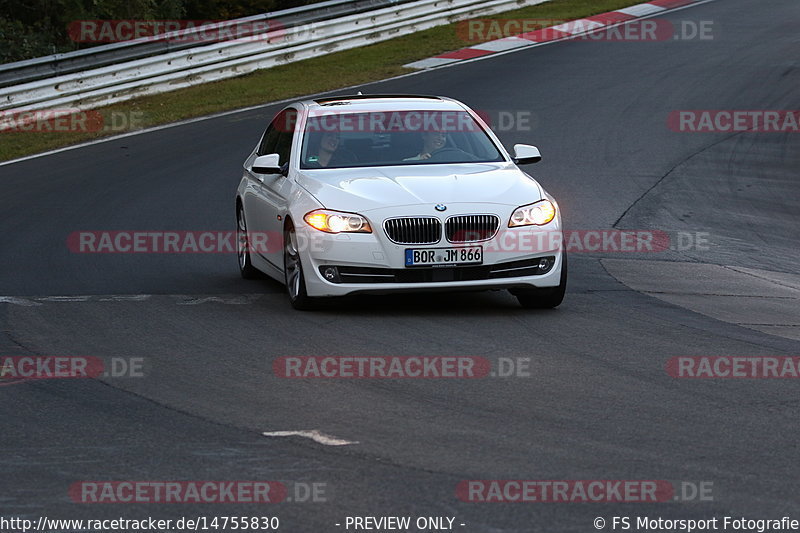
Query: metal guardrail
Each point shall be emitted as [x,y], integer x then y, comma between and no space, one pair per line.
[216,61]
[130,50]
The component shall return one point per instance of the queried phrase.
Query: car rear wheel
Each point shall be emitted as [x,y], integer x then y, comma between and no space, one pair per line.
[545,298]
[293,272]
[246,268]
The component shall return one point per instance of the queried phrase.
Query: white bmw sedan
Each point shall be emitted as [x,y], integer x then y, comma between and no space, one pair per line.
[385,193]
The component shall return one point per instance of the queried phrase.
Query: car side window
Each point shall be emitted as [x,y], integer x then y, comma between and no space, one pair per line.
[269,141]
[278,137]
[284,146]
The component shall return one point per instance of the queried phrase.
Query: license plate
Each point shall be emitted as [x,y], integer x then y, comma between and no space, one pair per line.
[462,255]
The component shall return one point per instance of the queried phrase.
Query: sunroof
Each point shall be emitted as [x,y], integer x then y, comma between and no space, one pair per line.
[340,100]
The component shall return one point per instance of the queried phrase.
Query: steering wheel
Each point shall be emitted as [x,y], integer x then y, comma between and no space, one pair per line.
[454,153]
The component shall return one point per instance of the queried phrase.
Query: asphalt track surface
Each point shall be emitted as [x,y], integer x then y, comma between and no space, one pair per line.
[598,405]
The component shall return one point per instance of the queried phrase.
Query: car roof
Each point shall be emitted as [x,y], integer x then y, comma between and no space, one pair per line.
[382,102]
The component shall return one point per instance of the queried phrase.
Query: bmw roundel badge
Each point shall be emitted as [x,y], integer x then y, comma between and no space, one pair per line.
[440,207]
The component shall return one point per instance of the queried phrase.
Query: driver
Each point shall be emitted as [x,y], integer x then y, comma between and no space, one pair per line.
[431,142]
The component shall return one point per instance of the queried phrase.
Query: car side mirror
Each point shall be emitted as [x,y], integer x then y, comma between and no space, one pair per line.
[525,154]
[267,164]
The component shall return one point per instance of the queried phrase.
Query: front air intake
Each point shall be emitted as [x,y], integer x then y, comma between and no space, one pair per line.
[471,228]
[413,230]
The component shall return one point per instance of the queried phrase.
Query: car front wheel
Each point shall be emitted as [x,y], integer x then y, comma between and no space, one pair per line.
[246,268]
[293,272]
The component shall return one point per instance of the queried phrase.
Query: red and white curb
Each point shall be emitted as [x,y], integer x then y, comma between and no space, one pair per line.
[554,33]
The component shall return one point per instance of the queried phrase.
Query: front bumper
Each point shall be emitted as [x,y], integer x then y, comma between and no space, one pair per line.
[371,263]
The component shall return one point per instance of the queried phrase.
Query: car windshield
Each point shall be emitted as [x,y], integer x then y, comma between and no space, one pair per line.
[347,140]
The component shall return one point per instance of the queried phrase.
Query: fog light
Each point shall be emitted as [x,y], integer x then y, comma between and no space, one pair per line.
[330,273]
[545,264]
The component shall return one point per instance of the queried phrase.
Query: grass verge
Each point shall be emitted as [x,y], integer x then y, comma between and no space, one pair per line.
[333,71]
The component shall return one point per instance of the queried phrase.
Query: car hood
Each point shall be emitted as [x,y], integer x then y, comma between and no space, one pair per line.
[362,189]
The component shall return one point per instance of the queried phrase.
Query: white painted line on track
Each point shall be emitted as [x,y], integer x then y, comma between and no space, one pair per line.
[641,10]
[64,298]
[313,434]
[578,27]
[431,62]
[125,298]
[501,44]
[17,301]
[228,300]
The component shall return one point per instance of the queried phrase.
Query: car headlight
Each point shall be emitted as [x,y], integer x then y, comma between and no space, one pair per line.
[535,214]
[337,222]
